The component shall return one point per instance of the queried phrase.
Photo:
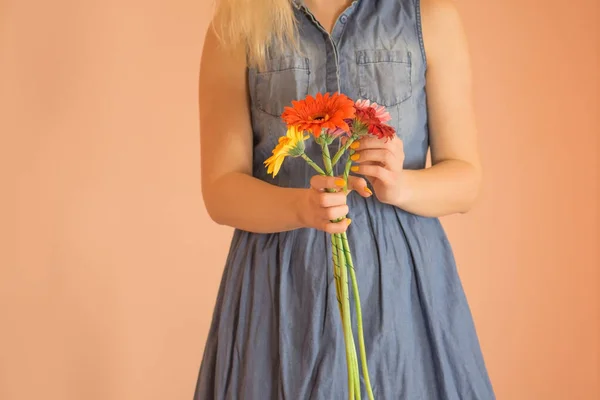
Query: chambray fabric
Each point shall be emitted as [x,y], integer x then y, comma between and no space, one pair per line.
[276,330]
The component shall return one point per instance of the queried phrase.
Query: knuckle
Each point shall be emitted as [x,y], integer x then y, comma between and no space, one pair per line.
[337,199]
[330,213]
[322,200]
[323,214]
[387,157]
[314,199]
[343,198]
[318,180]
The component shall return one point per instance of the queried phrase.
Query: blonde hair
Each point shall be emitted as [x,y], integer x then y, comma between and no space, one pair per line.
[256,25]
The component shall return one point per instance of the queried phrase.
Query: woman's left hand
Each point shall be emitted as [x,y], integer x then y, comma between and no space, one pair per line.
[382,163]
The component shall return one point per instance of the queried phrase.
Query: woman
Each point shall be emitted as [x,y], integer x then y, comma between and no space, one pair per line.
[275,332]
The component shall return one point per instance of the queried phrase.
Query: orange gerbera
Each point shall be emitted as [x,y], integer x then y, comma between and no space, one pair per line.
[324,112]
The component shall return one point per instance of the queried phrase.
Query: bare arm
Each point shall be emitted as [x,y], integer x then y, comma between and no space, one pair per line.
[231,194]
[451,185]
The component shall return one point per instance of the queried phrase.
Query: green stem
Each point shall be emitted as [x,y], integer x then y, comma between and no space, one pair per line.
[336,271]
[346,323]
[345,314]
[343,273]
[341,151]
[336,266]
[356,372]
[361,338]
[327,158]
[312,164]
[347,168]
[353,359]
[341,276]
[328,166]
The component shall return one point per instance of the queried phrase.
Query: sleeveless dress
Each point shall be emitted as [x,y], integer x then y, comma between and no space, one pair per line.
[276,330]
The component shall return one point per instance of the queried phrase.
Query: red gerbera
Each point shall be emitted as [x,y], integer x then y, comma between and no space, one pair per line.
[375,126]
[382,131]
[322,112]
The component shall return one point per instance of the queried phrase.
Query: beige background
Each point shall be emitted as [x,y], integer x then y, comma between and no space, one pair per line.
[110,265]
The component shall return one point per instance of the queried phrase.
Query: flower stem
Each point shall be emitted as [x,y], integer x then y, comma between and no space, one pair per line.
[343,286]
[346,323]
[361,338]
[328,166]
[354,357]
[327,158]
[357,394]
[347,168]
[336,272]
[312,164]
[341,151]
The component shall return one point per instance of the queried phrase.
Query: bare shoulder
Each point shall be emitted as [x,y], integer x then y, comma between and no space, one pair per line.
[225,129]
[223,86]
[443,30]
[438,6]
[442,13]
[218,59]
[453,133]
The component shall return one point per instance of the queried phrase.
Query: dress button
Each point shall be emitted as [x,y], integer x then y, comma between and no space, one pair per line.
[343,19]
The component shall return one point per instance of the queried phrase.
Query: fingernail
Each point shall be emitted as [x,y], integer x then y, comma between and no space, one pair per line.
[340,182]
[355,157]
[354,169]
[355,145]
[368,191]
[349,221]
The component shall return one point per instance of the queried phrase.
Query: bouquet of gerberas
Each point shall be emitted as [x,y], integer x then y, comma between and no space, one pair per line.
[328,118]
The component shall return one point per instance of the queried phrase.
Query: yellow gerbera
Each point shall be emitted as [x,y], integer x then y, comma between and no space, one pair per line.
[292,144]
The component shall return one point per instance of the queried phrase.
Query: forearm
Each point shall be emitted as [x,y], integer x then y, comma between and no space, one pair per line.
[244,202]
[446,188]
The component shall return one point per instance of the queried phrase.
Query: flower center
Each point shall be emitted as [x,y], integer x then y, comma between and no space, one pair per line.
[319,117]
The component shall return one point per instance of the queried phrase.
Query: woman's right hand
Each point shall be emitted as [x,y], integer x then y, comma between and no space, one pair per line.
[325,201]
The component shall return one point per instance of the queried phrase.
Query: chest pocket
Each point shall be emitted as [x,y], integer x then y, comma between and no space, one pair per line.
[282,80]
[384,76]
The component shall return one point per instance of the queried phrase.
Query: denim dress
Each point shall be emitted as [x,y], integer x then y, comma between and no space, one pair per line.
[276,330]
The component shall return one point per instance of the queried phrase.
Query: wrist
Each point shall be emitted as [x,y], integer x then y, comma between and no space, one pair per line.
[404,189]
[297,201]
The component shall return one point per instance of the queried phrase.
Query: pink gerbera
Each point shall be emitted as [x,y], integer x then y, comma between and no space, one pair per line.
[372,118]
[368,120]
[380,112]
